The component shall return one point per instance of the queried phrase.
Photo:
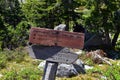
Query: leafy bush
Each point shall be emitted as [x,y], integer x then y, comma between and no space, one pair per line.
[10,55]
[23,74]
[12,37]
[118,45]
[17,36]
[10,75]
[2,64]
[2,61]
[30,74]
[113,72]
[11,60]
[15,56]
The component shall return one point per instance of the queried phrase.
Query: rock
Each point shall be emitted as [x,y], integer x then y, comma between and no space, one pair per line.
[60,27]
[65,70]
[100,65]
[113,54]
[95,41]
[79,52]
[69,70]
[118,63]
[79,66]
[42,65]
[1,75]
[88,67]
[104,78]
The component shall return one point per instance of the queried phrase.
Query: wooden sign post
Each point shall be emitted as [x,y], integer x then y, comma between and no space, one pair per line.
[50,70]
[48,44]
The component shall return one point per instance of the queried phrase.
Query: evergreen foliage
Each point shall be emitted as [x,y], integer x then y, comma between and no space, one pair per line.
[17,16]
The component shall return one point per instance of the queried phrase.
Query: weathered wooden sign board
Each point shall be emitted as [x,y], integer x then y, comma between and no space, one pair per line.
[53,53]
[51,37]
[51,45]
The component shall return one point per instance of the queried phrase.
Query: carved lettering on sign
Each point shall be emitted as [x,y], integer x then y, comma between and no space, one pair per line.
[51,37]
[54,54]
[64,57]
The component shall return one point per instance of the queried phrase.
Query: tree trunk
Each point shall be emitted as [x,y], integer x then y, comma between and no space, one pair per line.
[107,37]
[107,40]
[67,25]
[114,40]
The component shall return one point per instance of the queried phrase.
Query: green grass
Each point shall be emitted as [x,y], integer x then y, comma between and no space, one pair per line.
[18,65]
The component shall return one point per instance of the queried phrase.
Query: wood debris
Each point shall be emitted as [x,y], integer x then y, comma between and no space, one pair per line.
[98,56]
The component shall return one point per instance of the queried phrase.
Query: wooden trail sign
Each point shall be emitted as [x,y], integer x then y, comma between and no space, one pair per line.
[48,44]
[51,37]
[53,53]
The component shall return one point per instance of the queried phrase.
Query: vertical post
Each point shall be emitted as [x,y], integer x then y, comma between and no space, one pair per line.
[50,70]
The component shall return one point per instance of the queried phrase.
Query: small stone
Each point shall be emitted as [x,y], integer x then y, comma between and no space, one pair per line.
[100,65]
[79,52]
[88,67]
[1,75]
[60,27]
[118,63]
[103,77]
[41,65]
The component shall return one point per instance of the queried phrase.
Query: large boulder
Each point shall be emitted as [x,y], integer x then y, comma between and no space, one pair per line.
[96,41]
[69,70]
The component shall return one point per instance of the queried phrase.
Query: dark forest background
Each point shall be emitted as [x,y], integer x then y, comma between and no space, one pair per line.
[96,16]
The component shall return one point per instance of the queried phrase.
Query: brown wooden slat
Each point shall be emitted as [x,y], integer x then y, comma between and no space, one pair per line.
[51,37]
[71,39]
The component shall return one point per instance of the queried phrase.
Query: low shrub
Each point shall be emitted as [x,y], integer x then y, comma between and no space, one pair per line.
[23,74]
[113,72]
[10,75]
[29,74]
[2,61]
[17,56]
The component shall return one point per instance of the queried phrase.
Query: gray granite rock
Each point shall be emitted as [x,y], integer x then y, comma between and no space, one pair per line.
[60,27]
[69,70]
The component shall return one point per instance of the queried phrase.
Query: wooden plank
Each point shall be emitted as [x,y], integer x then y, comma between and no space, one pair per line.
[50,70]
[53,53]
[71,39]
[51,37]
[42,36]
